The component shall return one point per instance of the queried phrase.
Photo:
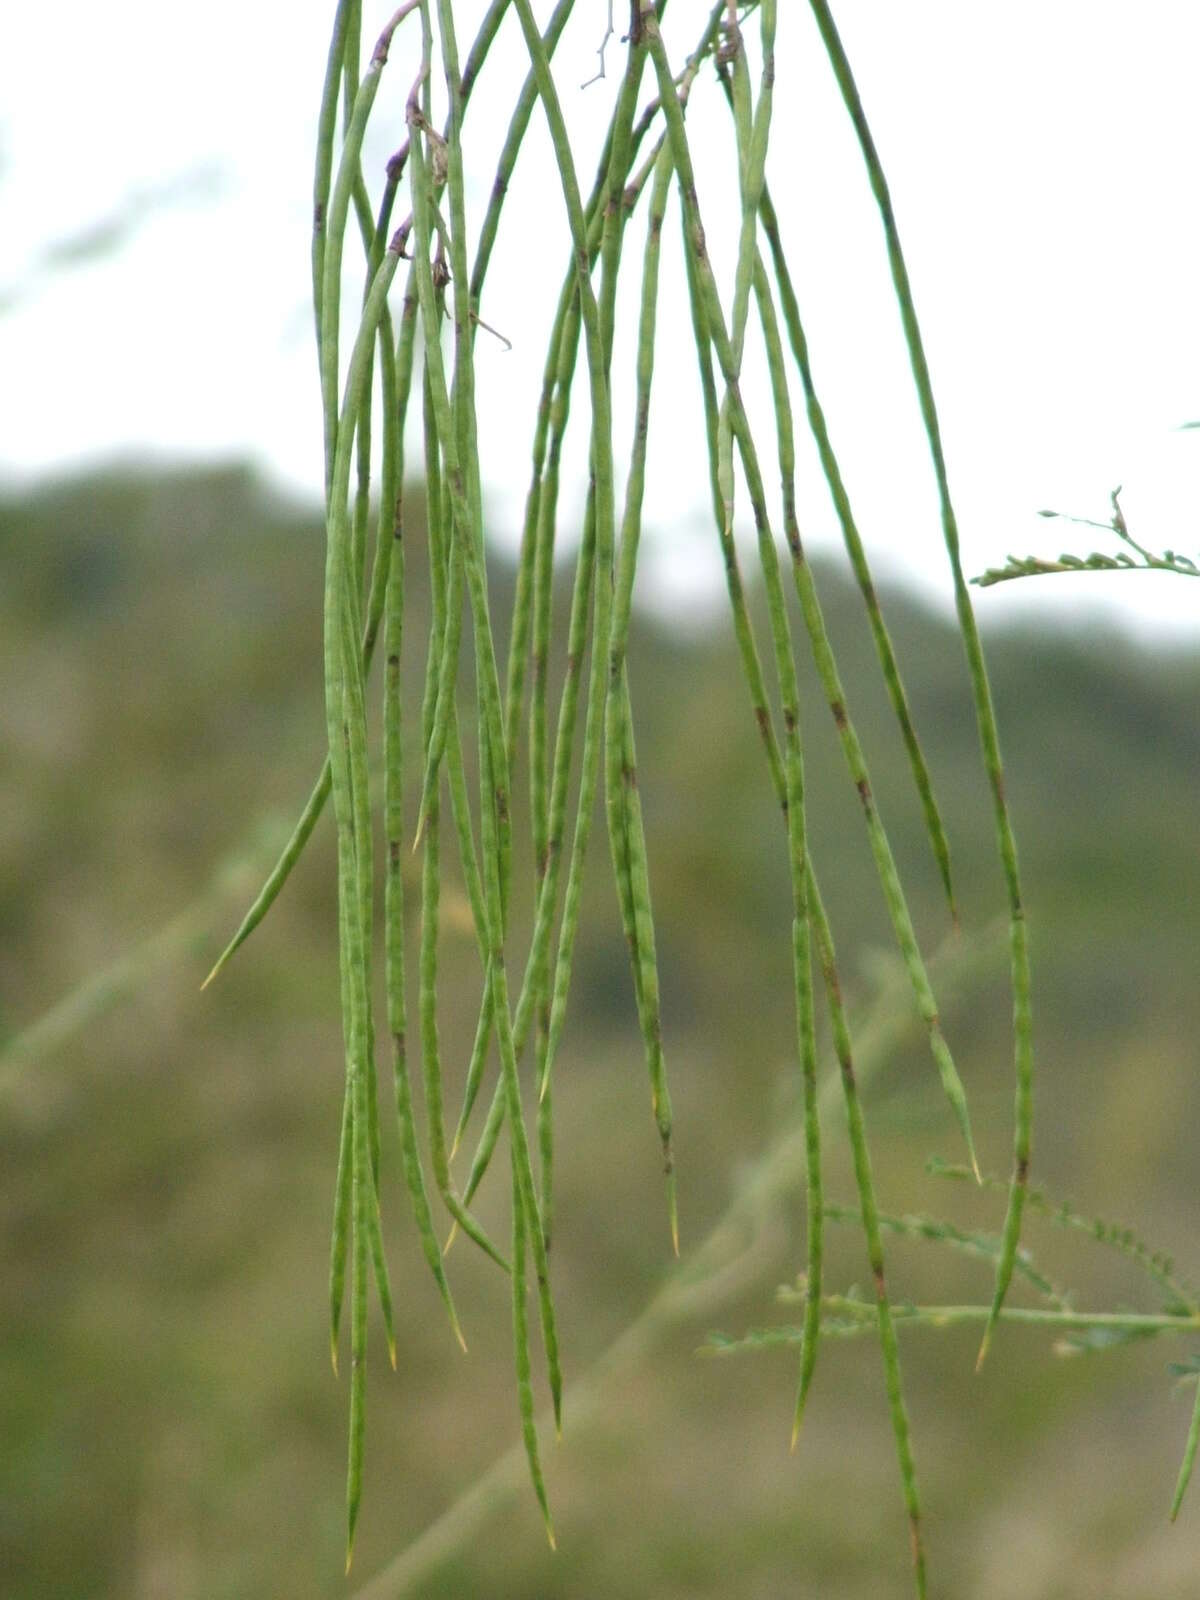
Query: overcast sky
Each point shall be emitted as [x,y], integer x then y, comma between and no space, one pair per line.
[155,184]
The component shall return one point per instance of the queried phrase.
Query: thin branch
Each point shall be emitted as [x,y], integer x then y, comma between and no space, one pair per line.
[845,1316]
[608,33]
[1097,561]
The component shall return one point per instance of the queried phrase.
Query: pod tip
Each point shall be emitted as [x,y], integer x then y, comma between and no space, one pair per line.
[458,1333]
[983,1348]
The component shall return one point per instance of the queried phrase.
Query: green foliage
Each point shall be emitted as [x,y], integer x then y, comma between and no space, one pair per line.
[169,1159]
[440,261]
[361,600]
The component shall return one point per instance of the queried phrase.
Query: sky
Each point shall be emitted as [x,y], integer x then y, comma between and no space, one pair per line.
[155,186]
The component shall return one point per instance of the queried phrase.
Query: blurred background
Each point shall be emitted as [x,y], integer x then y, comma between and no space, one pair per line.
[171,1427]
[171,1424]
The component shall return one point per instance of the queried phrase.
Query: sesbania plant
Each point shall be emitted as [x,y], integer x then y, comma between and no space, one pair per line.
[409,362]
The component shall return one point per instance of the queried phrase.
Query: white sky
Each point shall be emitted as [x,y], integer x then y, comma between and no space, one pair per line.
[1042,156]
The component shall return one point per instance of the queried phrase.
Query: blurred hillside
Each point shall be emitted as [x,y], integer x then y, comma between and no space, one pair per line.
[170,1424]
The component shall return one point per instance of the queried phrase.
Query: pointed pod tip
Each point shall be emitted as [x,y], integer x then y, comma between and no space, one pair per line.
[964,1123]
[801,1403]
[458,1333]
[352,1509]
[450,1238]
[959,1104]
[984,1347]
[422,814]
[226,955]
[550,1537]
[392,1350]
[918,1557]
[333,1354]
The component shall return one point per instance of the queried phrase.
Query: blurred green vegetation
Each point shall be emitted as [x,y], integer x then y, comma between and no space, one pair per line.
[170,1424]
